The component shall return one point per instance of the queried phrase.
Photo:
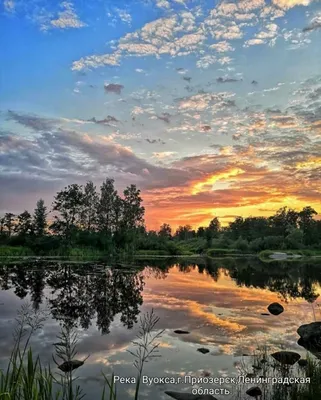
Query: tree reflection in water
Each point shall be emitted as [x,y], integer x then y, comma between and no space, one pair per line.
[79,294]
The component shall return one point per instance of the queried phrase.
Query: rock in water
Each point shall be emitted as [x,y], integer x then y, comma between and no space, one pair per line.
[181,332]
[275,308]
[303,362]
[203,350]
[188,396]
[310,338]
[69,366]
[254,392]
[286,357]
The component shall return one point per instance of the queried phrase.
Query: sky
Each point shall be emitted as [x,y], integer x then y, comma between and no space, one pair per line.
[212,108]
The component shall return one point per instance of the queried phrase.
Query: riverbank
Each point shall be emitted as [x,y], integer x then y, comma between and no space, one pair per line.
[87,253]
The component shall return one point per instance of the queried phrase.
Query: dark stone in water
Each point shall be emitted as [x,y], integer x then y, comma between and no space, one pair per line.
[181,332]
[303,362]
[188,396]
[69,366]
[203,350]
[275,308]
[310,338]
[254,391]
[286,357]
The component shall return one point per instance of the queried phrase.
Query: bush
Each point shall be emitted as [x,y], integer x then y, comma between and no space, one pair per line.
[241,244]
[18,251]
[257,245]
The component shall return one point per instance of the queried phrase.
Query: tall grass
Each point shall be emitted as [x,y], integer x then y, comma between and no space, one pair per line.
[25,378]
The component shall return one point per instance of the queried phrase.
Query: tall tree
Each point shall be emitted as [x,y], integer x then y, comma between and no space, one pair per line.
[307,224]
[69,204]
[106,206]
[133,213]
[90,207]
[40,218]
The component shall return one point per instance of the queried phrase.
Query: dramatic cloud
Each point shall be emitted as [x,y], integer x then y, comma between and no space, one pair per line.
[210,108]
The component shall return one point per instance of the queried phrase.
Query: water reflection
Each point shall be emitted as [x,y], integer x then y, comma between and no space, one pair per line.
[81,293]
[78,295]
[219,301]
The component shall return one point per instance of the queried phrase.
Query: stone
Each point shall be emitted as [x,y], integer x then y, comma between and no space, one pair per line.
[254,392]
[286,357]
[203,350]
[275,309]
[181,332]
[188,396]
[69,366]
[310,338]
[303,362]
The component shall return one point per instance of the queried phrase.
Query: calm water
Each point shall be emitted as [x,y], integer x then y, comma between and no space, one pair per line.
[219,302]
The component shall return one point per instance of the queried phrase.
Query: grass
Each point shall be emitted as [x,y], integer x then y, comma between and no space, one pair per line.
[25,378]
[15,251]
[304,253]
[219,252]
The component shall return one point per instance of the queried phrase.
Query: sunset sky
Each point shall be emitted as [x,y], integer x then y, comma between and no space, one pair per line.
[213,108]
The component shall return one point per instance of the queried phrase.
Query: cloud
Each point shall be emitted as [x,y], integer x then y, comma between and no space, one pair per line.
[227,80]
[96,61]
[164,117]
[222,47]
[105,121]
[113,88]
[163,4]
[32,121]
[286,4]
[315,24]
[9,6]
[67,18]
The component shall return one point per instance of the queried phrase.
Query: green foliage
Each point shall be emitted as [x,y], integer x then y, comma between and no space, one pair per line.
[241,245]
[40,218]
[218,252]
[11,251]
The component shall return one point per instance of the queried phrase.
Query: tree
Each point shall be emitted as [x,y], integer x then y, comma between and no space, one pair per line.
[106,207]
[307,224]
[2,226]
[235,228]
[40,218]
[214,226]
[165,231]
[184,232]
[69,204]
[9,220]
[133,212]
[200,232]
[24,225]
[283,219]
[90,206]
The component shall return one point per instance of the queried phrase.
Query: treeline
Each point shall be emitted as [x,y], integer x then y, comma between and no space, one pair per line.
[87,218]
[79,216]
